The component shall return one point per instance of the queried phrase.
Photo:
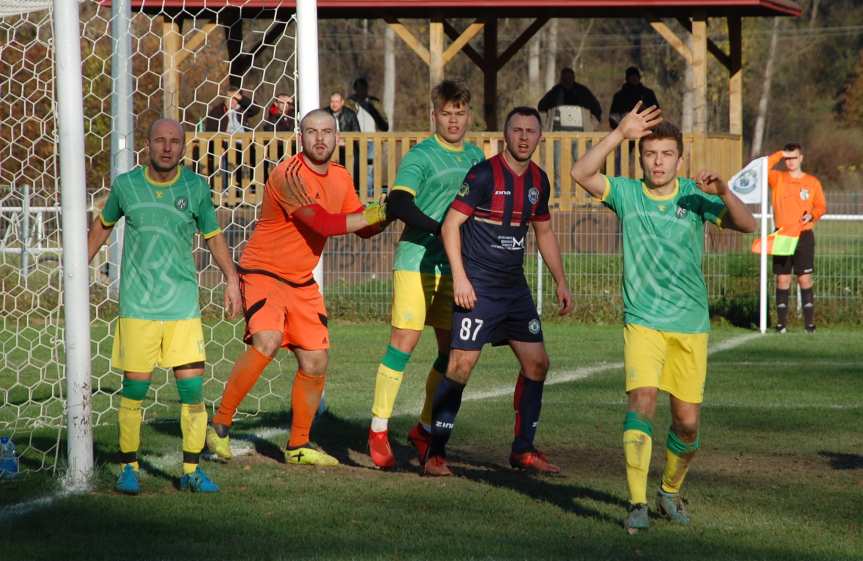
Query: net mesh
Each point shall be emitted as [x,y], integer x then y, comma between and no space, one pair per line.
[184,63]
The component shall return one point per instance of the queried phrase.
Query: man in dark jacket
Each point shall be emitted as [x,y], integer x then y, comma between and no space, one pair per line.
[346,118]
[570,92]
[280,115]
[629,94]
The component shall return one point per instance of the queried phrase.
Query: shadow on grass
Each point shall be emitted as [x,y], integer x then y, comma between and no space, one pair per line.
[550,489]
[842,461]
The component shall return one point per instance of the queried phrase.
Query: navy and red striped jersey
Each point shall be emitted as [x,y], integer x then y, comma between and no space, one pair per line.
[501,204]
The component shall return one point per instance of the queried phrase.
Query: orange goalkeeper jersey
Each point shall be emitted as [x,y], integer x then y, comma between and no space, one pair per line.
[284,247]
[793,196]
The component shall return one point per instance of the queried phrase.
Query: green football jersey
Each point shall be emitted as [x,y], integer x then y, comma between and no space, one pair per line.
[663,244]
[159,280]
[433,172]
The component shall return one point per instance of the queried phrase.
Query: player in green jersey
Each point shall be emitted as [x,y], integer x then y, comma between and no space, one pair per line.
[428,179]
[164,204]
[664,295]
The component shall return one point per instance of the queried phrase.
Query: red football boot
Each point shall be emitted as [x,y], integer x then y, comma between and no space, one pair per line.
[420,439]
[532,460]
[436,467]
[380,451]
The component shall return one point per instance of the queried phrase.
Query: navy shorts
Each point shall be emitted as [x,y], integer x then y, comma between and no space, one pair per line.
[499,315]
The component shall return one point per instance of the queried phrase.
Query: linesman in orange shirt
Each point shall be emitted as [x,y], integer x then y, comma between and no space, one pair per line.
[306,200]
[798,203]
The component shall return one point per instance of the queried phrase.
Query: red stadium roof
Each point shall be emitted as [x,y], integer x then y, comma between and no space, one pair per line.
[502,8]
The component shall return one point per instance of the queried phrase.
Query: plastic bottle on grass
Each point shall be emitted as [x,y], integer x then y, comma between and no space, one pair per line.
[8,458]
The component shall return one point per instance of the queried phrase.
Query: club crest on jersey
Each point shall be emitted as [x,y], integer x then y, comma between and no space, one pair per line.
[533,326]
[182,203]
[804,194]
[680,212]
[464,189]
[533,195]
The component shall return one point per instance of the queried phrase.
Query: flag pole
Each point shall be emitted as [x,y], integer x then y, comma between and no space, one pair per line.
[762,299]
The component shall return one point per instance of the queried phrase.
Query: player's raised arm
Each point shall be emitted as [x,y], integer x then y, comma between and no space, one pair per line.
[463,292]
[636,124]
[737,217]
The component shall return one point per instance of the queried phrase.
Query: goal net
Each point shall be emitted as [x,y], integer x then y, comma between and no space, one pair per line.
[186,59]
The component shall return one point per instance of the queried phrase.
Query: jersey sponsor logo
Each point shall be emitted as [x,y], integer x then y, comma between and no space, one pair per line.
[503,192]
[533,195]
[511,243]
[464,189]
[533,326]
[182,203]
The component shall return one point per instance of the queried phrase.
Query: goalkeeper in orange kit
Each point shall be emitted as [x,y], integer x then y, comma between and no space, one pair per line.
[306,200]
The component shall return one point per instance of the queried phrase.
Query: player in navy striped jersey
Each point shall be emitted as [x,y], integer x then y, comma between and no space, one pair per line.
[484,236]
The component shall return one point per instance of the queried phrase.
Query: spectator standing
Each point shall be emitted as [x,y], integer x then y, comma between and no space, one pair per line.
[346,121]
[371,118]
[628,95]
[568,92]
[232,114]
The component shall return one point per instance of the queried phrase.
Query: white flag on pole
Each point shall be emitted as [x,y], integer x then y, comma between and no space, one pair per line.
[749,182]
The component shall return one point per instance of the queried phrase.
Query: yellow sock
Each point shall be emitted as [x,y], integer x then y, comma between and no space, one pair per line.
[129,419]
[193,425]
[637,447]
[434,379]
[387,384]
[678,454]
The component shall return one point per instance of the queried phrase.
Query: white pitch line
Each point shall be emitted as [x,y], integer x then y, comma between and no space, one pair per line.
[27,507]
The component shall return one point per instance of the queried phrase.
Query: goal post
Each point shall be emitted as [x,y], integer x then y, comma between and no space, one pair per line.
[76,293]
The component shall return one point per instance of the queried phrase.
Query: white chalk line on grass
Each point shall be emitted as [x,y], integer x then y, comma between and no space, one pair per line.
[173,459]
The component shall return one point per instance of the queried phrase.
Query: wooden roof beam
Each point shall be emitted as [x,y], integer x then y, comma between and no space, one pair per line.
[410,39]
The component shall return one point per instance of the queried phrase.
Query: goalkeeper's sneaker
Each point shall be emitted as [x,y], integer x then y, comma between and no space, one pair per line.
[128,482]
[637,519]
[198,482]
[219,445]
[436,467]
[380,450]
[308,456]
[672,506]
[532,460]
[420,439]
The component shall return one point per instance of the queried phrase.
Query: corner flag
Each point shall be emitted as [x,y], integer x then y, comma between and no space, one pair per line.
[749,182]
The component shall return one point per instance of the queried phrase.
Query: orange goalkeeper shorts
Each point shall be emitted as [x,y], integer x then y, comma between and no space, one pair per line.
[296,310]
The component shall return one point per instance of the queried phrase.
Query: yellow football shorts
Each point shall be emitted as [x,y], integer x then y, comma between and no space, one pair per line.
[142,344]
[673,362]
[421,299]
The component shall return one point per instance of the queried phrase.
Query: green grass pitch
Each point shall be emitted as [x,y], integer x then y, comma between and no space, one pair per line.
[780,475]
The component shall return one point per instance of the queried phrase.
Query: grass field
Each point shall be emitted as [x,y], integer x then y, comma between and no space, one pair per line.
[780,475]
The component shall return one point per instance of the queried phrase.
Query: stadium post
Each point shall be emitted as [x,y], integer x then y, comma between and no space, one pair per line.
[762,296]
[307,76]
[122,137]
[67,59]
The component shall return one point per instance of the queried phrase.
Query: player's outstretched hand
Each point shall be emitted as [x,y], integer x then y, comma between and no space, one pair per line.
[710,182]
[233,299]
[463,293]
[293,191]
[639,122]
[564,300]
[375,213]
